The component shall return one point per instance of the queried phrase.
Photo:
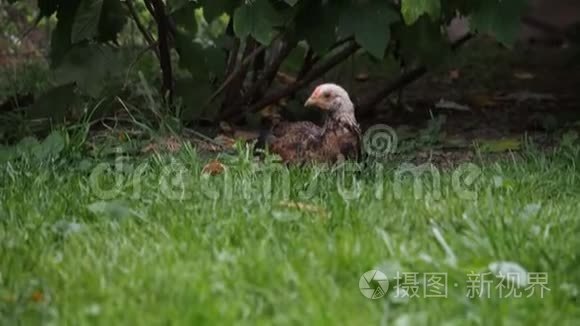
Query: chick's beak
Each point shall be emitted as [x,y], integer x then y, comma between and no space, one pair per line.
[312,101]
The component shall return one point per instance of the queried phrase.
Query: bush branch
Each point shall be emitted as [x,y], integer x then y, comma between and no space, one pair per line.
[157,8]
[366,103]
[309,60]
[270,71]
[235,73]
[146,35]
[316,72]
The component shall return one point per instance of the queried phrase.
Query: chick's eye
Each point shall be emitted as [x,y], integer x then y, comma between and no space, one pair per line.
[326,95]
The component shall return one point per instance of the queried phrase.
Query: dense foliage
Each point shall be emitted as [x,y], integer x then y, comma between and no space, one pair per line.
[234,57]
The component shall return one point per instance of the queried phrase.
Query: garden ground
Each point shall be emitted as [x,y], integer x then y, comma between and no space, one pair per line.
[155,240]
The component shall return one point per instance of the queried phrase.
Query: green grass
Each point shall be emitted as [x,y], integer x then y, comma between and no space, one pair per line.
[148,256]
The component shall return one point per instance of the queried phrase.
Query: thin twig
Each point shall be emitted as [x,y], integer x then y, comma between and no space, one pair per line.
[234,90]
[377,96]
[237,71]
[141,27]
[312,58]
[316,72]
[270,72]
[150,9]
[31,28]
[137,58]
[233,53]
[309,61]
[341,42]
[162,38]
[258,66]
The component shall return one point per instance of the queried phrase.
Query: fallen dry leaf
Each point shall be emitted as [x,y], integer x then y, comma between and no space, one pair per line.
[214,167]
[481,100]
[225,141]
[170,144]
[246,135]
[207,146]
[363,76]
[446,104]
[454,74]
[523,75]
[151,147]
[226,127]
[37,296]
[271,111]
[272,115]
[228,135]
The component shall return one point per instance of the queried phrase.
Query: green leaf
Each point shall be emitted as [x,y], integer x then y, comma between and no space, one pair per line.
[201,62]
[370,24]
[294,60]
[27,146]
[175,5]
[500,19]
[215,8]
[86,21]
[89,66]
[51,147]
[413,9]
[500,145]
[422,41]
[184,18]
[258,19]
[191,56]
[113,20]
[316,23]
[291,2]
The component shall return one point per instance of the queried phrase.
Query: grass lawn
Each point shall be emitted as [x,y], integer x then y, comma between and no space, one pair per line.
[166,245]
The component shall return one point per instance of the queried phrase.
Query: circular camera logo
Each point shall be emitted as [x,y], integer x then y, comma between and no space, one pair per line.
[373,284]
[380,140]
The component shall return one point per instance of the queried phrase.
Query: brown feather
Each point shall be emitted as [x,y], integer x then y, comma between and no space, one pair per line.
[302,142]
[292,140]
[305,142]
[340,140]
